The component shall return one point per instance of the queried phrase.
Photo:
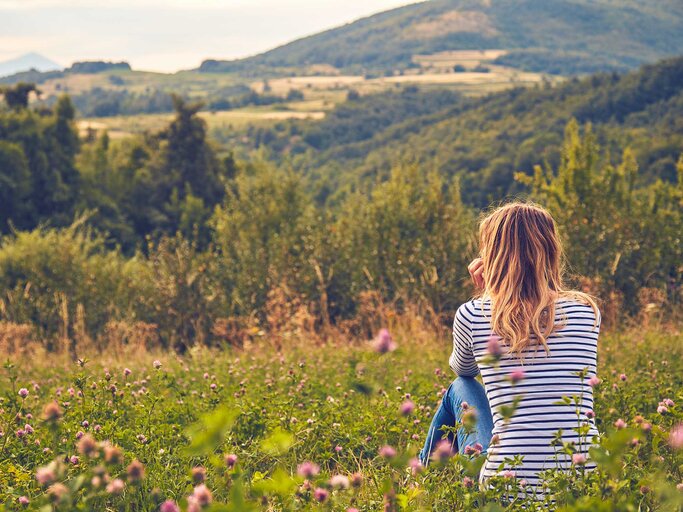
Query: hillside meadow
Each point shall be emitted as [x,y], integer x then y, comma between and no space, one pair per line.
[298,420]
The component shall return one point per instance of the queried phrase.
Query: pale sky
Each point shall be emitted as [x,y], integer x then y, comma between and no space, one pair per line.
[167,35]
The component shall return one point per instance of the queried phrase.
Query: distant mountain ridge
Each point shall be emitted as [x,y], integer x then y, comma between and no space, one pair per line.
[558,36]
[27,62]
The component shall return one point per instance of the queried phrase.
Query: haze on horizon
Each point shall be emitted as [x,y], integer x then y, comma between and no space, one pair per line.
[167,35]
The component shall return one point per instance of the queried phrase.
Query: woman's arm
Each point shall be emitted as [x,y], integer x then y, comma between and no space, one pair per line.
[462,360]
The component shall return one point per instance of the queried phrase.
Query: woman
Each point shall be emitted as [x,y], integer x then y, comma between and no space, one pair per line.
[527,364]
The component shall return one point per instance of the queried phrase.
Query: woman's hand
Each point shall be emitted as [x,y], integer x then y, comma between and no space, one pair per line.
[476,270]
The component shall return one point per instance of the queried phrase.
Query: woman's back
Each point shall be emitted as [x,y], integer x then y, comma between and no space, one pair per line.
[539,380]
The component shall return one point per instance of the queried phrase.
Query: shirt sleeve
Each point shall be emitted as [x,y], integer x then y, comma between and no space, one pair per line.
[462,360]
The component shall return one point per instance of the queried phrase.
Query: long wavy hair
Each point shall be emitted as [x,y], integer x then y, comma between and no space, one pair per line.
[523,274]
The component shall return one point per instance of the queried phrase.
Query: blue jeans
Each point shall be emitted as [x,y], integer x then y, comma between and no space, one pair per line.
[449,413]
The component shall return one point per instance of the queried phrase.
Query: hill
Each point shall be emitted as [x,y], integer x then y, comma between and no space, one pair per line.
[28,62]
[485,140]
[562,36]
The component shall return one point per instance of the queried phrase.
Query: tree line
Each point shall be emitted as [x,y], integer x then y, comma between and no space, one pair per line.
[168,229]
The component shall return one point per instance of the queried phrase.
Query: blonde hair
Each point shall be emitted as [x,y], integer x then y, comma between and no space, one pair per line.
[523,274]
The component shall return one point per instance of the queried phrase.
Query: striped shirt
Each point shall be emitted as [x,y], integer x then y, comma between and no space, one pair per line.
[547,379]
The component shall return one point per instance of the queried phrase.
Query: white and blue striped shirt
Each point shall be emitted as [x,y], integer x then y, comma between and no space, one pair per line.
[547,379]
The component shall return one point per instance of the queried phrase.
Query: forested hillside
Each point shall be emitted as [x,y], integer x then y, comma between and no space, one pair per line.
[486,140]
[559,36]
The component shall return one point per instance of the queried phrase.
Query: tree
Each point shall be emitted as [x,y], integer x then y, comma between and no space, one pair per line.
[16,97]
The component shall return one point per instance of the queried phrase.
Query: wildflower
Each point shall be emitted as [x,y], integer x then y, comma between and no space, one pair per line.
[198,474]
[320,494]
[356,480]
[308,469]
[516,376]
[509,474]
[45,475]
[57,491]
[493,347]
[443,451]
[578,459]
[676,437]
[87,446]
[620,424]
[662,409]
[340,482]
[230,460]
[387,452]
[135,471]
[407,407]
[468,482]
[622,377]
[202,495]
[127,372]
[156,364]
[116,487]
[415,466]
[523,483]
[112,454]
[74,460]
[338,449]
[668,402]
[169,506]
[593,381]
[646,426]
[384,343]
[590,414]
[23,392]
[23,501]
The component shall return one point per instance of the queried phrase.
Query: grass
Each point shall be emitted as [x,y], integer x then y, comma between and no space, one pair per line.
[335,404]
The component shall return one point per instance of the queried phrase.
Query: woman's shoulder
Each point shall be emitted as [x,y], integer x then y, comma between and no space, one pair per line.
[474,309]
[579,307]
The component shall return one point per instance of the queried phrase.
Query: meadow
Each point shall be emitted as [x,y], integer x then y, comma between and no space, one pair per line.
[295,420]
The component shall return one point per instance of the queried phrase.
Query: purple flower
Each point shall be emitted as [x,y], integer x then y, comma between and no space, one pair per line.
[308,469]
[23,392]
[169,506]
[443,451]
[493,347]
[676,437]
[384,343]
[516,376]
[407,407]
[387,452]
[320,494]
[230,460]
[578,459]
[340,482]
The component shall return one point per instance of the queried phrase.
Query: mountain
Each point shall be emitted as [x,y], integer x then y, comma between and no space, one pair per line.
[553,36]
[485,140]
[27,62]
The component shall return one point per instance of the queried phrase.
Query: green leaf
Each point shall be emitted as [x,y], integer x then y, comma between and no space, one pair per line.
[207,434]
[278,442]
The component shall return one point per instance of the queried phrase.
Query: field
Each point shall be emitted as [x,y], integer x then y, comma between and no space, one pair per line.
[228,120]
[320,93]
[290,422]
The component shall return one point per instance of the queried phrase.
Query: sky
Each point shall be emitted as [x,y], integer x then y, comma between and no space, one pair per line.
[167,35]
